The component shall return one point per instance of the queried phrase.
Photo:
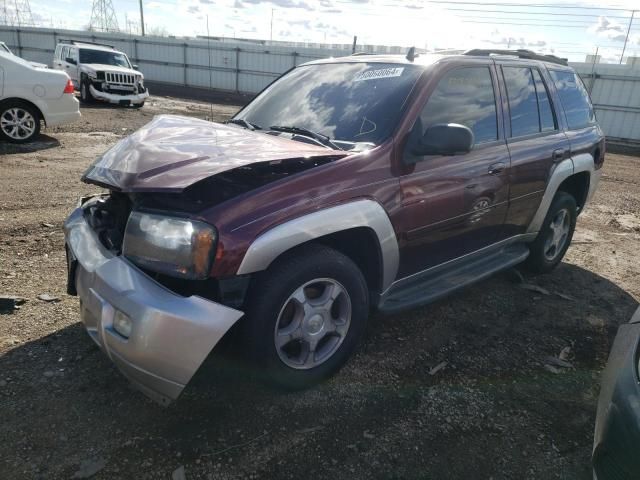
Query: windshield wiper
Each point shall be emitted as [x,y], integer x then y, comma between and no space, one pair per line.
[243,123]
[320,138]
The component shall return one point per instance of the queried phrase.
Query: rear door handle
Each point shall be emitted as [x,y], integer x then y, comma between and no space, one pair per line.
[559,154]
[496,168]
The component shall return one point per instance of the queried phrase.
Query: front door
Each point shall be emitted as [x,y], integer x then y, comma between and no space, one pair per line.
[70,61]
[454,205]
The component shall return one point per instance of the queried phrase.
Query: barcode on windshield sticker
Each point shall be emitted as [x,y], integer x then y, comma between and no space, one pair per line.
[380,73]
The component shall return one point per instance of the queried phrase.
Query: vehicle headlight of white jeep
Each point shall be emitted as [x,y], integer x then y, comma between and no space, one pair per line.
[175,246]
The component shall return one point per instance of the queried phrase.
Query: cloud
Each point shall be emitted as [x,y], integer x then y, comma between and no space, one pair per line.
[193,9]
[513,42]
[609,29]
[276,3]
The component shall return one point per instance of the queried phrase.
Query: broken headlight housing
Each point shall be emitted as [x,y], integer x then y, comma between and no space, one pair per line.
[174,246]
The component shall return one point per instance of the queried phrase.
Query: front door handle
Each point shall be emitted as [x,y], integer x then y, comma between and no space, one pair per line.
[559,154]
[496,168]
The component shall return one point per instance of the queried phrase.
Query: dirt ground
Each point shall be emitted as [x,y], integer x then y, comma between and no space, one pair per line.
[458,389]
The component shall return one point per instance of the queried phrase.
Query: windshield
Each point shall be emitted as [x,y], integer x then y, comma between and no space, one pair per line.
[351,102]
[104,57]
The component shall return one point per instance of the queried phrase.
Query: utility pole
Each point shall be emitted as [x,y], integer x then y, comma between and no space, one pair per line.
[271,27]
[141,18]
[626,39]
[355,41]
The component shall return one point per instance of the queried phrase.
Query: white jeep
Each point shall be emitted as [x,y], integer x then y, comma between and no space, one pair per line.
[100,72]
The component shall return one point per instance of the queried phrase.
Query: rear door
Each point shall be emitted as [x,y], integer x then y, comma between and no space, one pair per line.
[534,138]
[582,130]
[453,205]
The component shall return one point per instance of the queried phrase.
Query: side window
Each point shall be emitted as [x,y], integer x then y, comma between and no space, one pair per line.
[523,102]
[65,53]
[574,98]
[547,120]
[464,95]
[73,53]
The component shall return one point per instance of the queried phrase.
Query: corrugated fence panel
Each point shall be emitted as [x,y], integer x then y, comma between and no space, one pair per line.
[249,67]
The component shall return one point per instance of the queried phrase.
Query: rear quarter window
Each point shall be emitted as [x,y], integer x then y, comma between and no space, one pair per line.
[574,98]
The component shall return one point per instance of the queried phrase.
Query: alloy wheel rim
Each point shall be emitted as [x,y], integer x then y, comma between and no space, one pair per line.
[312,323]
[558,234]
[17,123]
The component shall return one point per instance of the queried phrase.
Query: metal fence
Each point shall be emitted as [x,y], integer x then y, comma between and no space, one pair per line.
[223,65]
[248,68]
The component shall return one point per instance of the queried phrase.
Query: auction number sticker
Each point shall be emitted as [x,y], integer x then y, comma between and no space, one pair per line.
[379,73]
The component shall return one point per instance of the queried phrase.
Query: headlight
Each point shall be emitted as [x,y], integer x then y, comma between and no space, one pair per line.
[175,246]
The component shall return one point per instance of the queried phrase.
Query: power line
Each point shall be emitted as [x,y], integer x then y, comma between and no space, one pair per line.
[551,14]
[532,5]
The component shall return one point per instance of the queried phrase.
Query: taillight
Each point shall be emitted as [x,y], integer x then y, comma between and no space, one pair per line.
[69,87]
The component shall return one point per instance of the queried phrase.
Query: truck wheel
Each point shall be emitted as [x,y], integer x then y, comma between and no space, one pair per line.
[554,238]
[305,315]
[85,93]
[19,122]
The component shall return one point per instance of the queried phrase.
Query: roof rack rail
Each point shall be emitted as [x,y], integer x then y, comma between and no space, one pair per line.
[75,42]
[520,53]
[359,54]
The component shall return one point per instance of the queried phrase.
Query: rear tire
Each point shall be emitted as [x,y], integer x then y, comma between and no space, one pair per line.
[305,316]
[19,121]
[549,247]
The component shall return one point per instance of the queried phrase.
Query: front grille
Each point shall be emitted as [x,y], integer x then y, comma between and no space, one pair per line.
[120,78]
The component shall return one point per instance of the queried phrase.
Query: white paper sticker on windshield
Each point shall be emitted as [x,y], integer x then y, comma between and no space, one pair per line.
[380,73]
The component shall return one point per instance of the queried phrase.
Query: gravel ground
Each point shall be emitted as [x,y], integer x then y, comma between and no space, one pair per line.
[459,389]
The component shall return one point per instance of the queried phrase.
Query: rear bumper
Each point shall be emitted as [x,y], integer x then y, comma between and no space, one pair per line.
[617,431]
[134,99]
[171,335]
[65,109]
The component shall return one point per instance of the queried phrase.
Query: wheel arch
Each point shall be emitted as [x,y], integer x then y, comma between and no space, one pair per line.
[569,175]
[360,230]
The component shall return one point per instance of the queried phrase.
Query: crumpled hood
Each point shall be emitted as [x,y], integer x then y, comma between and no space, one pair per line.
[172,152]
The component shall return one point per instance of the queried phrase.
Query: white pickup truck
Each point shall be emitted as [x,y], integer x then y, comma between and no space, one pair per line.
[31,95]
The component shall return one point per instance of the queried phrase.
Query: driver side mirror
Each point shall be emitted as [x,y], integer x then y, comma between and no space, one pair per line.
[70,60]
[135,67]
[444,139]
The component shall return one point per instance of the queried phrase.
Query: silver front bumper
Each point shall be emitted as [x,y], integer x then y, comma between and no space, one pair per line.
[133,98]
[171,334]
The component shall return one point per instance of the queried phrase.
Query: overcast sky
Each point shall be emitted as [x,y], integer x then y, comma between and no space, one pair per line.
[571,32]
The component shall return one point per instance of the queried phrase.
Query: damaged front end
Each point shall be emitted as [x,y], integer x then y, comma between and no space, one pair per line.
[157,337]
[140,257]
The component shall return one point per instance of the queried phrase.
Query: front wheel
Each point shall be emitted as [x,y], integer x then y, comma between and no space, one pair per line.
[305,316]
[552,242]
[85,93]
[19,122]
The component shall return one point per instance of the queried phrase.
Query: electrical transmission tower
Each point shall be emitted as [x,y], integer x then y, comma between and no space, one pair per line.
[16,12]
[103,16]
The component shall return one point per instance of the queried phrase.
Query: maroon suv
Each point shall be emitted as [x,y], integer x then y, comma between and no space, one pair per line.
[348,184]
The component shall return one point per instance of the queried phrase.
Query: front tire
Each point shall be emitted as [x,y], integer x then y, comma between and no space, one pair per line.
[19,122]
[85,93]
[549,247]
[305,316]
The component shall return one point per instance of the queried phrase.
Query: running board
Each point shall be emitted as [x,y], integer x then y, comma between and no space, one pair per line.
[444,279]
